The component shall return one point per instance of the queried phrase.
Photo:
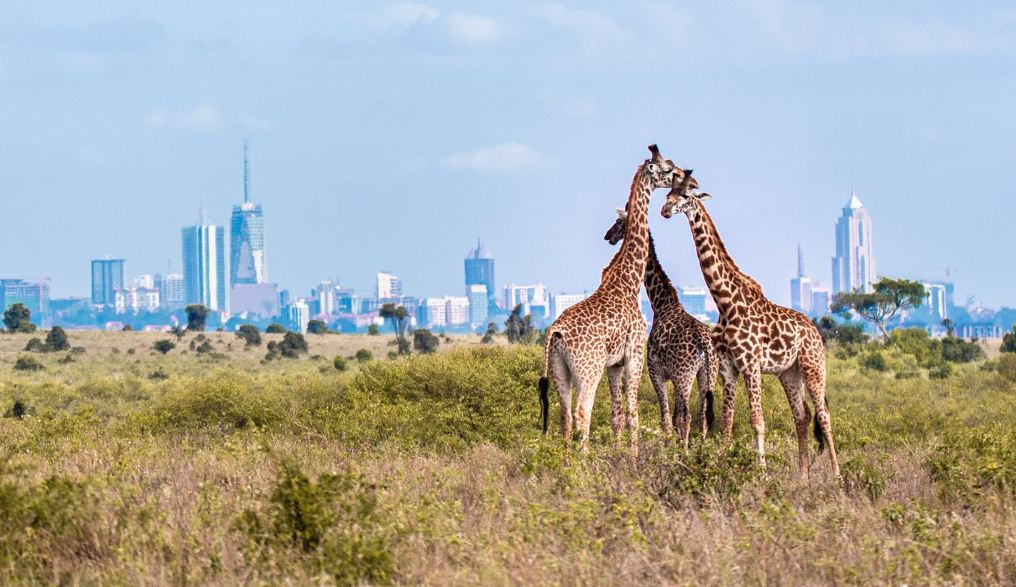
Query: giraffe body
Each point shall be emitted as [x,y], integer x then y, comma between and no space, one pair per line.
[680,348]
[756,336]
[607,330]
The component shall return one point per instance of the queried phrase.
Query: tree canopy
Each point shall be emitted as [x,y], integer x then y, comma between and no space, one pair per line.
[17,318]
[197,314]
[398,317]
[888,298]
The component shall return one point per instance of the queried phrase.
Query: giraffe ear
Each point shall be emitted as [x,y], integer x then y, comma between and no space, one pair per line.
[704,196]
[621,213]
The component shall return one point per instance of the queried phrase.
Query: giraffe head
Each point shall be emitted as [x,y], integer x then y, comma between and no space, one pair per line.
[615,233]
[683,196]
[661,172]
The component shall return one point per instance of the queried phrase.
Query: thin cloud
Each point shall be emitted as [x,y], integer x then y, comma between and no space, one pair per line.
[588,24]
[201,117]
[410,13]
[473,29]
[504,157]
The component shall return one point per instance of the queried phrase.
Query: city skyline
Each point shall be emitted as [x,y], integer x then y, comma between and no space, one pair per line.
[356,110]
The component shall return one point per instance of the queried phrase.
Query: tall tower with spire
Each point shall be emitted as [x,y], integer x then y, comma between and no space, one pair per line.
[479,266]
[800,286]
[854,263]
[247,237]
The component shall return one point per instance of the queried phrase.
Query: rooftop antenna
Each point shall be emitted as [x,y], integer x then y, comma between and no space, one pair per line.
[246,174]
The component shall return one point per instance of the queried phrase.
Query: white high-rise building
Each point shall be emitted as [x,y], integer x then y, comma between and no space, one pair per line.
[204,266]
[457,309]
[694,300]
[854,263]
[478,304]
[145,281]
[434,312]
[936,298]
[525,295]
[325,294]
[561,302]
[389,286]
[171,290]
[821,300]
[298,315]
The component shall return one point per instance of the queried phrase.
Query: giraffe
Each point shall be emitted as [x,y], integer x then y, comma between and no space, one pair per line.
[680,348]
[607,330]
[756,336]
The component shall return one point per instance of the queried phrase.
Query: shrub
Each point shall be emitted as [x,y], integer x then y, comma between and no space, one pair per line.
[1009,341]
[249,334]
[424,341]
[364,355]
[17,318]
[373,330]
[158,375]
[957,350]
[127,328]
[163,346]
[292,345]
[705,471]
[35,345]
[875,360]
[275,328]
[917,343]
[1005,366]
[227,402]
[340,363]
[337,518]
[860,475]
[28,364]
[317,327]
[943,371]
[204,347]
[56,339]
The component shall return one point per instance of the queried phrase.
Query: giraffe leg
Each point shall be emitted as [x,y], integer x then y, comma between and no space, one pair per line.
[682,411]
[563,382]
[753,381]
[584,406]
[706,383]
[728,372]
[793,385]
[633,377]
[615,376]
[659,380]
[814,380]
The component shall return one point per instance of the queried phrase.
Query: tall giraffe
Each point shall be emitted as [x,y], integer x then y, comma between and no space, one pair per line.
[756,336]
[607,330]
[680,347]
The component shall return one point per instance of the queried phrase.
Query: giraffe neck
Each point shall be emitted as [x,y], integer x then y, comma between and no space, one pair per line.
[662,294]
[626,270]
[726,282]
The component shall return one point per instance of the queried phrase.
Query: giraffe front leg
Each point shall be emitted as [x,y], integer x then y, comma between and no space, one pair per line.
[753,381]
[729,375]
[615,377]
[633,377]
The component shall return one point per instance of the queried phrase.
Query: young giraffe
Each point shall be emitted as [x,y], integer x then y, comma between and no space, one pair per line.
[757,336]
[680,347]
[607,330]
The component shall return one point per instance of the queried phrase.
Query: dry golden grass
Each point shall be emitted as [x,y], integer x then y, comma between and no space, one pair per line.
[220,473]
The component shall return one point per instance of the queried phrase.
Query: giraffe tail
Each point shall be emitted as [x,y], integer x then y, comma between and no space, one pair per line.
[544,387]
[817,429]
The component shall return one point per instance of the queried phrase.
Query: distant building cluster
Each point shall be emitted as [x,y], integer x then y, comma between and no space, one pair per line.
[225,269]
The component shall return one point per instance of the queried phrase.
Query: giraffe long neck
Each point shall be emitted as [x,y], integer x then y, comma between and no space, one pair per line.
[726,282]
[626,270]
[661,291]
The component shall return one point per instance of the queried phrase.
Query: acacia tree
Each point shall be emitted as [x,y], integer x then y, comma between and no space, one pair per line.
[518,329]
[398,317]
[197,314]
[17,318]
[1009,341]
[883,304]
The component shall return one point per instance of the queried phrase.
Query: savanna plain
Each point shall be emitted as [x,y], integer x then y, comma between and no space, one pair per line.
[211,464]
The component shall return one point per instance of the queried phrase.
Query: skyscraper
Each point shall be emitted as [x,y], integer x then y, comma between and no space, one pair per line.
[478,304]
[108,275]
[247,237]
[34,296]
[204,266]
[479,265]
[854,263]
[800,287]
[172,291]
[389,286]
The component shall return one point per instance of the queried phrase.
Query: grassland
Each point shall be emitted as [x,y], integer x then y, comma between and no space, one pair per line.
[124,466]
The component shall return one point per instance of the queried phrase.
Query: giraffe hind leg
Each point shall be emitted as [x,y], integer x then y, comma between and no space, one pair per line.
[561,375]
[793,386]
[706,383]
[659,380]
[814,380]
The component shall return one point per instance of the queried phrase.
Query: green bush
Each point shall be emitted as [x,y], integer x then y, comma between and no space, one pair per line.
[163,346]
[363,355]
[275,328]
[292,345]
[957,350]
[706,471]
[424,341]
[1005,366]
[249,334]
[875,360]
[28,364]
[943,371]
[222,403]
[340,363]
[35,345]
[336,518]
[859,475]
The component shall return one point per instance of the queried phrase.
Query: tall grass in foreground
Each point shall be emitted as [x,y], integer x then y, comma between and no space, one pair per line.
[431,469]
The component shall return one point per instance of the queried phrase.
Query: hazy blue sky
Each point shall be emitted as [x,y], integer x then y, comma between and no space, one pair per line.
[388,136]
